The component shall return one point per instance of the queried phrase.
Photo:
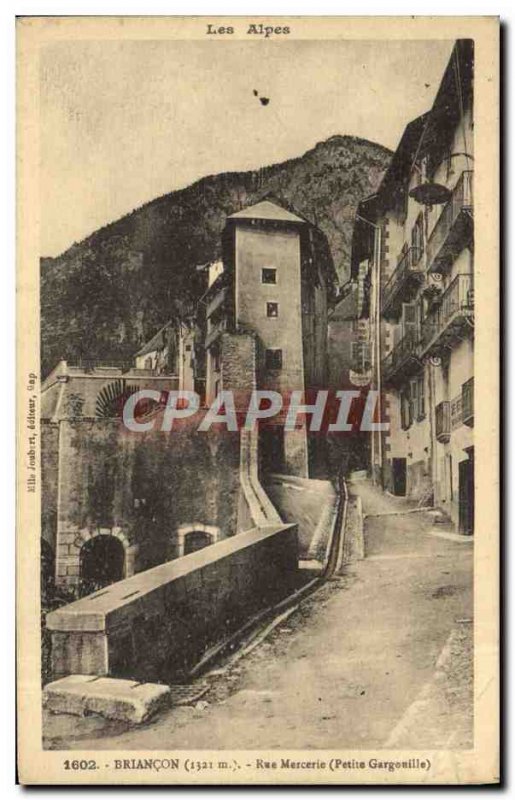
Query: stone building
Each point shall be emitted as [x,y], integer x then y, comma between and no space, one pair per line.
[95,389]
[273,283]
[415,238]
[170,351]
[117,502]
[349,369]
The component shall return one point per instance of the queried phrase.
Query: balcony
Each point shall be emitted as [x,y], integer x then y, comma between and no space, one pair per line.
[402,361]
[454,226]
[403,282]
[453,318]
[467,403]
[443,422]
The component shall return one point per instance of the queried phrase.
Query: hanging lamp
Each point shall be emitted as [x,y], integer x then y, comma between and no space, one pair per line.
[429,193]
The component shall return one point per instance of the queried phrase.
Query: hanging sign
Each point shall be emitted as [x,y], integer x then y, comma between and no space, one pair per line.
[360,378]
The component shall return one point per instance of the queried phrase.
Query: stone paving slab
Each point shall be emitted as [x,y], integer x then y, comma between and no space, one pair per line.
[112,698]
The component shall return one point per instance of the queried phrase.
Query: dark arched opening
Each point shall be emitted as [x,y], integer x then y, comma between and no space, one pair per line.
[196,540]
[102,562]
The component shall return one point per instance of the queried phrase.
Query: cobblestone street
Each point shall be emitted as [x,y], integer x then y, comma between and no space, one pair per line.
[379,657]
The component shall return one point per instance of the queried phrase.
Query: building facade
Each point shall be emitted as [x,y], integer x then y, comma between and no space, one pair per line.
[415,238]
[349,369]
[273,284]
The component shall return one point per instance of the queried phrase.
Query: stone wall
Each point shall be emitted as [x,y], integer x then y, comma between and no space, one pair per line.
[156,625]
[49,481]
[238,352]
[141,488]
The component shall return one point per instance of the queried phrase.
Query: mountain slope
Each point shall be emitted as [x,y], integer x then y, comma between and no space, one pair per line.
[106,295]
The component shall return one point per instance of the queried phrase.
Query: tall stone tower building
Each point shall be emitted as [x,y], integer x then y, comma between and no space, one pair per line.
[273,284]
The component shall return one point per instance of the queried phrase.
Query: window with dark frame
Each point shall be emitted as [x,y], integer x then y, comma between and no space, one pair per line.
[273,359]
[272,309]
[414,399]
[421,398]
[268,275]
[413,402]
[406,407]
[417,235]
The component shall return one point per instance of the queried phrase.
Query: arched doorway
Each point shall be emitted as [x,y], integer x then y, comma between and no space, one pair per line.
[196,540]
[102,562]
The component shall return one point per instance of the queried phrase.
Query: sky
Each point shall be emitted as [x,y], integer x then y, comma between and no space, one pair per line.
[123,122]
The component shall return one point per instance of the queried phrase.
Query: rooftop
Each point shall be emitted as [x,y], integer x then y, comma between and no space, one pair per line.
[268,211]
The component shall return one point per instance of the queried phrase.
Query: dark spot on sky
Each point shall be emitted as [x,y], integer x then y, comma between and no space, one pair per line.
[263,100]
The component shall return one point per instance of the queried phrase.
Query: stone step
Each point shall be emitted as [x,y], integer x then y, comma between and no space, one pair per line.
[112,698]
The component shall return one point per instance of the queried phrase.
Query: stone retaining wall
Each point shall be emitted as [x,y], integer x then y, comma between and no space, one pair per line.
[157,624]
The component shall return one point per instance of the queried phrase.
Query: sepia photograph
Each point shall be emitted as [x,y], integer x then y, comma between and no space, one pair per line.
[257,480]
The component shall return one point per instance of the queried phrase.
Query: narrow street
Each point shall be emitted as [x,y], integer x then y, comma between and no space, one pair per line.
[381,656]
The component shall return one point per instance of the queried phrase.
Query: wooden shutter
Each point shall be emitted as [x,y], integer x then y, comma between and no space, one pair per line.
[414,398]
[404,404]
[417,234]
[409,320]
[421,397]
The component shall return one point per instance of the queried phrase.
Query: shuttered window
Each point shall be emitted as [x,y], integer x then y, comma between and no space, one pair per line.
[417,234]
[414,399]
[409,320]
[405,402]
[421,397]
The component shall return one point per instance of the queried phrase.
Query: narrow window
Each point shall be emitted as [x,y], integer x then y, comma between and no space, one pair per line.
[414,399]
[417,237]
[410,322]
[273,359]
[405,410]
[421,397]
[268,275]
[272,309]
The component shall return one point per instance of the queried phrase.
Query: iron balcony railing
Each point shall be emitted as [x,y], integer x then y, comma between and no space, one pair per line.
[443,421]
[409,264]
[446,232]
[92,364]
[403,354]
[467,402]
[456,306]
